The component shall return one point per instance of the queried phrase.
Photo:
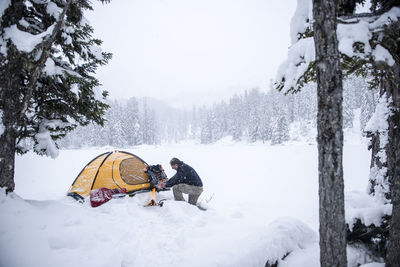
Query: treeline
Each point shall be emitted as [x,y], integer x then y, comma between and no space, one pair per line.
[252,116]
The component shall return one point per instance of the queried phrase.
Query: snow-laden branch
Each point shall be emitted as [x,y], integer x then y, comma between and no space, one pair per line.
[45,49]
[355,40]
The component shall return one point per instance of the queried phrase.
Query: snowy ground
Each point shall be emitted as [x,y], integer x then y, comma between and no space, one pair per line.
[265,202]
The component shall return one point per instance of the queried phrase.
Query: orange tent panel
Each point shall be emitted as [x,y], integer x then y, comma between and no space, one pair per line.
[112,170]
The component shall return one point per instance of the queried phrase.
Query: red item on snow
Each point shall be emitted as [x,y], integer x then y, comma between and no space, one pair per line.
[102,195]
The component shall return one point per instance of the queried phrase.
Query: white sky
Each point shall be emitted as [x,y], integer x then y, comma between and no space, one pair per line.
[189,52]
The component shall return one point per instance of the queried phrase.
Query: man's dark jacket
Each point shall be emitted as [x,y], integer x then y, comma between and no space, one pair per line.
[185,175]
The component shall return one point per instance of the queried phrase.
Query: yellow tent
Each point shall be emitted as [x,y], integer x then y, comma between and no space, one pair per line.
[112,170]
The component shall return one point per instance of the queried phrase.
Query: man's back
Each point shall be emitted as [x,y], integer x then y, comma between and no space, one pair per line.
[185,175]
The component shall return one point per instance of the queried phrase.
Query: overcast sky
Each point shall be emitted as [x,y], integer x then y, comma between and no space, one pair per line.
[189,52]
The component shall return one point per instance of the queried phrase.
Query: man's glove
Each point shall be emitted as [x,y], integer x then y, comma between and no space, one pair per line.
[160,185]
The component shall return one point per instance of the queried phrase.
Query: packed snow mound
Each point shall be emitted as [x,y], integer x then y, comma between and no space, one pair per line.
[124,233]
[367,208]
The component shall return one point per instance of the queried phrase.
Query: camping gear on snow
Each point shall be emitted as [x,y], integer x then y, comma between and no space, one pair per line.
[153,201]
[102,195]
[116,170]
[153,198]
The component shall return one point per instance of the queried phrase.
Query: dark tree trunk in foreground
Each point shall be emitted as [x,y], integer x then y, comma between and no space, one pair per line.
[330,136]
[387,142]
[392,88]
[393,250]
[7,159]
[9,106]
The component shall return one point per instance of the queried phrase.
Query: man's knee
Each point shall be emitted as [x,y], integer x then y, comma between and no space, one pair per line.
[177,191]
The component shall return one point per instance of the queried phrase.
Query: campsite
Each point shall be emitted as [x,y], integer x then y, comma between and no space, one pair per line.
[205,133]
[253,214]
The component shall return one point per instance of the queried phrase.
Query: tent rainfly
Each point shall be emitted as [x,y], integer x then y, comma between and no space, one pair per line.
[112,170]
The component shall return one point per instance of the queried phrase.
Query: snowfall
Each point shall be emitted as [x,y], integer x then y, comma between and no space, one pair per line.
[262,203]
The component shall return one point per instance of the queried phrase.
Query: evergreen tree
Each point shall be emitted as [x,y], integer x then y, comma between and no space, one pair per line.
[194,123]
[46,82]
[148,125]
[254,121]
[368,104]
[116,118]
[375,55]
[332,231]
[265,119]
[280,132]
[235,119]
[206,128]
[131,122]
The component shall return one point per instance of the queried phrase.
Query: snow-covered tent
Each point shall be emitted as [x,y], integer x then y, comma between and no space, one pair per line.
[112,170]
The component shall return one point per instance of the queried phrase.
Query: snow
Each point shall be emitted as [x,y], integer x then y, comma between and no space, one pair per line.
[381,54]
[309,257]
[25,41]
[53,9]
[378,121]
[365,207]
[391,16]
[24,23]
[96,51]
[3,6]
[68,39]
[361,32]
[348,34]
[378,124]
[75,89]
[300,55]
[98,93]
[1,123]
[363,8]
[51,68]
[301,19]
[44,141]
[264,204]
[373,264]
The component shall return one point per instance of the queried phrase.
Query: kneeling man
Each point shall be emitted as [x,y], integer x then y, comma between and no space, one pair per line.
[186,180]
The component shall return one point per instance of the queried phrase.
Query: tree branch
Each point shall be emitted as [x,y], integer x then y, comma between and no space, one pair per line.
[46,48]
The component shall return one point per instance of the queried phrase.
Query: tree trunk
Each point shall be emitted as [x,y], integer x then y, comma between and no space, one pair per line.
[10,75]
[330,136]
[393,166]
[393,250]
[9,105]
[7,159]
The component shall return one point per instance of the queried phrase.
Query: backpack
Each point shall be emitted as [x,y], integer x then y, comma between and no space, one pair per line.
[156,174]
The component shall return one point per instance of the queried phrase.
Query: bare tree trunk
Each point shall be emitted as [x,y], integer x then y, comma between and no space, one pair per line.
[9,105]
[393,249]
[7,159]
[330,136]
[393,166]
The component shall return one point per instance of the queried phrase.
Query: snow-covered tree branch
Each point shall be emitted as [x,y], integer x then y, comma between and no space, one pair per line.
[47,60]
[369,47]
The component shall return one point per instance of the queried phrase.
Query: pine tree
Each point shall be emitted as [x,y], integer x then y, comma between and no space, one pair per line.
[235,119]
[46,82]
[332,232]
[280,132]
[383,66]
[254,121]
[131,122]
[375,56]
